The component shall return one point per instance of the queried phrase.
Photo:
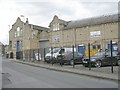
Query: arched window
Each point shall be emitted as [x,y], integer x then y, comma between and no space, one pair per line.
[18,31]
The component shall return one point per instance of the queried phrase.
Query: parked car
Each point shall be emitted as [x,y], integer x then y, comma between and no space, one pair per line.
[52,55]
[102,58]
[68,58]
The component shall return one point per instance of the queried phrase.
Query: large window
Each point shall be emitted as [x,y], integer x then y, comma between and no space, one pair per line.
[55,26]
[18,31]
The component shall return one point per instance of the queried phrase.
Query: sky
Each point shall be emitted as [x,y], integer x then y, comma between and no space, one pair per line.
[41,12]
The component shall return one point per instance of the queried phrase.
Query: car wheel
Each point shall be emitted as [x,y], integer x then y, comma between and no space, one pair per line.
[98,64]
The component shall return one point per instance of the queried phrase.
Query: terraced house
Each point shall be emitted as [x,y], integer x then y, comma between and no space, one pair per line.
[98,31]
[24,36]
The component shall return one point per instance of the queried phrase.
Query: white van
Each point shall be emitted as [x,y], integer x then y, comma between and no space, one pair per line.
[55,52]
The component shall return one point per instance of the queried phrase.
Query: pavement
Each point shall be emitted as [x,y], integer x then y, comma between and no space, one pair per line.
[101,73]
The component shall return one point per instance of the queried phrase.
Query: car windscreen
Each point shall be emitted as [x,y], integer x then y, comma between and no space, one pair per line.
[56,50]
[62,51]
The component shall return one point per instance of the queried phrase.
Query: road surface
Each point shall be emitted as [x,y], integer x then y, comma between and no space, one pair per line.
[16,75]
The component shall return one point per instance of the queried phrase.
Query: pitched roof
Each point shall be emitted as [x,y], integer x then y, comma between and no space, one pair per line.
[36,27]
[92,21]
[61,22]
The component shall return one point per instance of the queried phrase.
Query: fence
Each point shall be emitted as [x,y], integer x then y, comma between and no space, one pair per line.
[55,54]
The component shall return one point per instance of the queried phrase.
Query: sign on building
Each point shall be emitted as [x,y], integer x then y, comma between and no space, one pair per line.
[95,34]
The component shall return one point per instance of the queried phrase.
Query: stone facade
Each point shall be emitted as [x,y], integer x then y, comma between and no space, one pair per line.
[97,31]
[24,36]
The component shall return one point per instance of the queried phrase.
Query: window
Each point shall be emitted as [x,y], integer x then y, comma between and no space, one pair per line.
[62,51]
[21,31]
[15,34]
[56,39]
[10,44]
[33,34]
[18,31]
[55,26]
[14,45]
[94,47]
[98,46]
[58,26]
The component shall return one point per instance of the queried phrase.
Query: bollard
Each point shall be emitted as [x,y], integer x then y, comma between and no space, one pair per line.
[89,56]
[51,55]
[44,55]
[111,56]
[73,58]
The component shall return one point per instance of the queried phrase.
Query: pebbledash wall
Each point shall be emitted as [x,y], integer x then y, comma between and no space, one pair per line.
[98,31]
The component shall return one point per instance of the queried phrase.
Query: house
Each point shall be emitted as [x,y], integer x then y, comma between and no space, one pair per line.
[98,31]
[24,36]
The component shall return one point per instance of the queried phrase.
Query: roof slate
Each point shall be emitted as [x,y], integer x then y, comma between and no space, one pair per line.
[92,21]
[40,28]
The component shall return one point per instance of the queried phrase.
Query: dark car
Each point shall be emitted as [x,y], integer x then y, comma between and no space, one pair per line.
[102,58]
[68,58]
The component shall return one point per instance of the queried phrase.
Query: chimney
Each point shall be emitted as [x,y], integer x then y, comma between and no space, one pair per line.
[27,20]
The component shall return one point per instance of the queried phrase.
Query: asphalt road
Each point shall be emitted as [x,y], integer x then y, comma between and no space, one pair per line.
[16,75]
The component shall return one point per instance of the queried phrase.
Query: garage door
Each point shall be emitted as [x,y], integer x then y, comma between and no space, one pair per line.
[44,44]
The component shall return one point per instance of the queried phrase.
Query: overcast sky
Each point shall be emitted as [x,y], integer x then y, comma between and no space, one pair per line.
[41,12]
